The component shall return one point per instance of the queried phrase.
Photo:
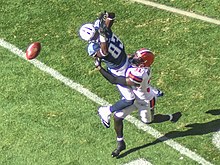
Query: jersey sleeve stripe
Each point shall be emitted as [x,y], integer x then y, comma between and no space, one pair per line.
[134,78]
[152,103]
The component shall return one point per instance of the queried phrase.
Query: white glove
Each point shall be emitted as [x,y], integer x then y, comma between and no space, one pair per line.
[97,62]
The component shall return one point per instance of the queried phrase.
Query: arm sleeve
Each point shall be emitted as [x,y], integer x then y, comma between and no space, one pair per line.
[121,80]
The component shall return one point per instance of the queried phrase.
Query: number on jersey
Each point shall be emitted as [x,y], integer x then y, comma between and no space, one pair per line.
[115,46]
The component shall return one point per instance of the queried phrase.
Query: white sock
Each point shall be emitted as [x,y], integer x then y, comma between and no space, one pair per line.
[120,139]
[171,117]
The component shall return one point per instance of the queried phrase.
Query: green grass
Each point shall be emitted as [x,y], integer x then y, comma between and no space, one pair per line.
[42,121]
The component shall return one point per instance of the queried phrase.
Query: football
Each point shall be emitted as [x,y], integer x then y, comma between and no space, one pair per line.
[33,50]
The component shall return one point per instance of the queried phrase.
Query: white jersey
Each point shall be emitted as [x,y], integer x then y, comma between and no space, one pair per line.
[145,98]
[141,76]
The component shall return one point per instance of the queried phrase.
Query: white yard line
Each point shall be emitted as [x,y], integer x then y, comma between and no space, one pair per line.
[178,11]
[139,162]
[216,139]
[183,150]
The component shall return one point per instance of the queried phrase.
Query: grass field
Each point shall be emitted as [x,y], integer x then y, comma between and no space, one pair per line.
[45,121]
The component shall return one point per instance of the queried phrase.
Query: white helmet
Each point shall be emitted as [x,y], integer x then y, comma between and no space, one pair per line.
[87,31]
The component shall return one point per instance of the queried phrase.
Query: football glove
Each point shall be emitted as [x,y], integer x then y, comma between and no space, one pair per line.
[130,58]
[97,62]
[103,31]
[104,15]
[110,15]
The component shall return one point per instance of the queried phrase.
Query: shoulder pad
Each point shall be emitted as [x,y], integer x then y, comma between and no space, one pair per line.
[93,48]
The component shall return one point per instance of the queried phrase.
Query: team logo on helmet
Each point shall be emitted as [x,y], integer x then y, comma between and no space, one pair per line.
[143,58]
[87,31]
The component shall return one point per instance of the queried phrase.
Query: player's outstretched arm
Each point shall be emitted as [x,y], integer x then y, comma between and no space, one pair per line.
[121,80]
[107,18]
[110,19]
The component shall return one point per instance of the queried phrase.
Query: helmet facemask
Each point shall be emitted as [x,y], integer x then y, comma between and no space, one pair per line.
[143,58]
[136,61]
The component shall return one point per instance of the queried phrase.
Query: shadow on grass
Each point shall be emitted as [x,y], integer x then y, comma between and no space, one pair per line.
[195,129]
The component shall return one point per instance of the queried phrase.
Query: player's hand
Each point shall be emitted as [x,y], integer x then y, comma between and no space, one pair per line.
[103,30]
[110,15]
[102,16]
[130,58]
[131,55]
[97,62]
[107,19]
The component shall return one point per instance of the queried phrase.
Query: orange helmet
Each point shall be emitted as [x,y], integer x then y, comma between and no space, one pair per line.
[143,58]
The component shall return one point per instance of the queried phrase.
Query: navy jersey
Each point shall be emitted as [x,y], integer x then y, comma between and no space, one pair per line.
[116,57]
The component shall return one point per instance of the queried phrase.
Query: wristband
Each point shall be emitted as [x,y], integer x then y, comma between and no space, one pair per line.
[110,19]
[102,53]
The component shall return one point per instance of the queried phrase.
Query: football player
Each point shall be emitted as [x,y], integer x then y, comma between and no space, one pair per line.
[138,78]
[104,44]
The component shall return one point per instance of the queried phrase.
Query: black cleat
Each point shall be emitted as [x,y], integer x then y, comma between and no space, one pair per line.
[121,147]
[106,124]
[175,117]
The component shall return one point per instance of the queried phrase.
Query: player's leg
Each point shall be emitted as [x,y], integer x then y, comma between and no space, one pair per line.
[118,126]
[146,111]
[127,100]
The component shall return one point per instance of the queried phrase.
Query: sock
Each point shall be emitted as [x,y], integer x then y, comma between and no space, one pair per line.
[120,139]
[171,117]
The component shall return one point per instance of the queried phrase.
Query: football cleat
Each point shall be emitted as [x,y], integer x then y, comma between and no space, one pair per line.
[175,117]
[121,147]
[104,114]
[106,124]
